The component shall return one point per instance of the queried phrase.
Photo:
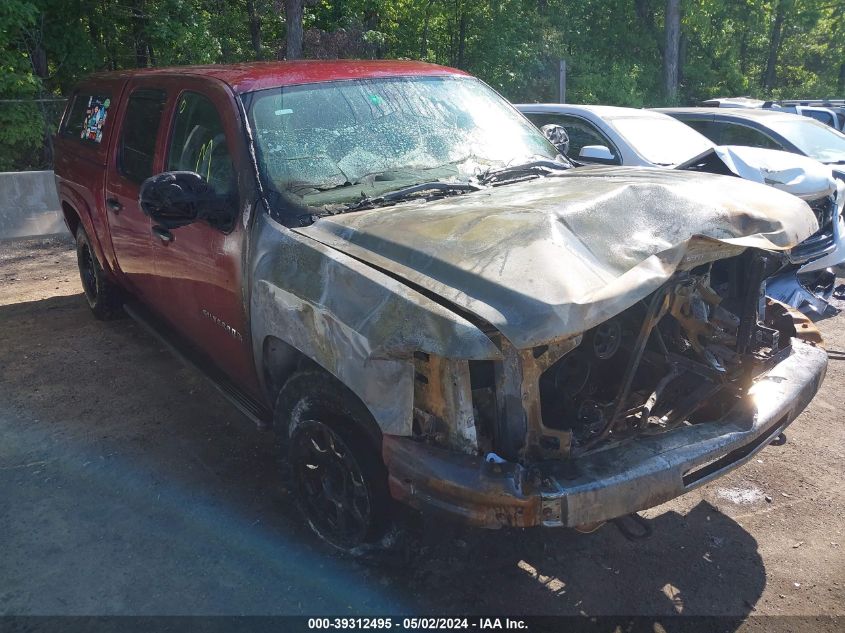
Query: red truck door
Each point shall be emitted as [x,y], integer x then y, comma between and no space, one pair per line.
[199,268]
[131,161]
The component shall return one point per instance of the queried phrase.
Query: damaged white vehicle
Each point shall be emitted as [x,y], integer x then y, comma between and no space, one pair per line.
[629,136]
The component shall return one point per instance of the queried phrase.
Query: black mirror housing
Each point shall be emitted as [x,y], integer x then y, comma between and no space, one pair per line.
[176,198]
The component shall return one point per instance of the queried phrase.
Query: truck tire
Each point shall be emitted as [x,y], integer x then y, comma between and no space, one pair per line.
[334,461]
[102,293]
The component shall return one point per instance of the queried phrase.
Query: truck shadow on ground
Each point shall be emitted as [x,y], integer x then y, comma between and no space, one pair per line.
[698,563]
[108,394]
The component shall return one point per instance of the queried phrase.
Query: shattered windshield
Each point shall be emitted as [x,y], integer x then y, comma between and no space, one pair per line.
[337,142]
[815,139]
[661,140]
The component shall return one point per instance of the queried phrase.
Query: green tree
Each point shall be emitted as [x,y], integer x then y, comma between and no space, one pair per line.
[623,52]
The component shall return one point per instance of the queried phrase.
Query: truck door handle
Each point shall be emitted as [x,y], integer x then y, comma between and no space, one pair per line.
[162,233]
[114,204]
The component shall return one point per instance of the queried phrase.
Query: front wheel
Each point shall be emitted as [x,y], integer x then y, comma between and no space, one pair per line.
[335,488]
[336,471]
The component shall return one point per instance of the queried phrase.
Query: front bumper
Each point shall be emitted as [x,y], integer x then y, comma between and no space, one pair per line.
[609,483]
[827,247]
[833,255]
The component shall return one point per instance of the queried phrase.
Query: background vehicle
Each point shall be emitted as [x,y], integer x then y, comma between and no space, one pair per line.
[769,129]
[829,114]
[392,267]
[775,129]
[828,111]
[630,136]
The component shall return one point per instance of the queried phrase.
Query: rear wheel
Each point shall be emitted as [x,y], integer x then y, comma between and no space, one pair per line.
[102,294]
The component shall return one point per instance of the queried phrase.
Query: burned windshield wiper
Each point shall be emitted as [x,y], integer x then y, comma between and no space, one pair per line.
[525,170]
[435,189]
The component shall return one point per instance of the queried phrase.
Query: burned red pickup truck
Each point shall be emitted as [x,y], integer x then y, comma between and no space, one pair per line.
[389,265]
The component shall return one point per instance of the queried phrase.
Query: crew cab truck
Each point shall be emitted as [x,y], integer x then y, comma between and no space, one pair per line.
[389,265]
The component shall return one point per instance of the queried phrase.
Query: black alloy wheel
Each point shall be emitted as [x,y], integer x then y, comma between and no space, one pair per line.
[331,485]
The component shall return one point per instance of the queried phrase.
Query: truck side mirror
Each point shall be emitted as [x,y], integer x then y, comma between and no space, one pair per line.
[176,198]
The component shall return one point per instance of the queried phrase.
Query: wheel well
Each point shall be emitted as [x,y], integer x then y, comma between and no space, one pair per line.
[317,389]
[280,360]
[71,218]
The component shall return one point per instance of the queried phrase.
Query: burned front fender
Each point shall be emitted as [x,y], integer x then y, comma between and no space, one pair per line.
[359,324]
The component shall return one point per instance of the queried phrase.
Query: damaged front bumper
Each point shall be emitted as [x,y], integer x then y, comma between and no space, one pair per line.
[612,482]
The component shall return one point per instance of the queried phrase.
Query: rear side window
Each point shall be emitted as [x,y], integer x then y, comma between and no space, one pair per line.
[140,129]
[735,134]
[198,143]
[818,115]
[702,127]
[87,117]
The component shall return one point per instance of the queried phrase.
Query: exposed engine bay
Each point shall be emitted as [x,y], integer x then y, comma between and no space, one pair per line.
[684,355]
[682,386]
[681,356]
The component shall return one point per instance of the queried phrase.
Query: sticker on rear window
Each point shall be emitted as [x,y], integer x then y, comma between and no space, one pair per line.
[95,118]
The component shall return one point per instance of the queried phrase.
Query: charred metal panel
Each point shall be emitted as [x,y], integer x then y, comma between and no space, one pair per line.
[519,421]
[543,260]
[360,325]
[609,483]
[442,390]
[463,486]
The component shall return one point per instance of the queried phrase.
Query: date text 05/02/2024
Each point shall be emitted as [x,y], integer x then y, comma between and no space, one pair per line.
[422,623]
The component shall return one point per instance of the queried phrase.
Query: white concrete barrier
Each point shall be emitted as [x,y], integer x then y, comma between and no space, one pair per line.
[29,205]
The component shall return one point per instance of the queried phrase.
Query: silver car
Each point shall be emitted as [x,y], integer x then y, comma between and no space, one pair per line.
[628,136]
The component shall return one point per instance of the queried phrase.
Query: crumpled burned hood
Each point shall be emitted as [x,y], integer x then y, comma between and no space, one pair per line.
[799,175]
[549,258]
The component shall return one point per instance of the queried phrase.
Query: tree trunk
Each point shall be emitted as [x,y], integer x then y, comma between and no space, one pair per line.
[34,39]
[93,31]
[109,38]
[462,38]
[840,84]
[254,28]
[426,20]
[293,18]
[38,57]
[40,67]
[774,44]
[672,49]
[139,33]
[645,14]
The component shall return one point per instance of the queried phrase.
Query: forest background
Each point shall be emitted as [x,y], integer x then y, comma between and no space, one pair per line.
[618,52]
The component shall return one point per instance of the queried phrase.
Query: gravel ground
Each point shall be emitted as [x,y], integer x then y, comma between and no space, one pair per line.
[128,486]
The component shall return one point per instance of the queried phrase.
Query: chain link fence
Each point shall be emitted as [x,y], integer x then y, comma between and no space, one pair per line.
[27,127]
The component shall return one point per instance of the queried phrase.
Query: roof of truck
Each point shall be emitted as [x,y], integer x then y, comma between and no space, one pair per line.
[251,76]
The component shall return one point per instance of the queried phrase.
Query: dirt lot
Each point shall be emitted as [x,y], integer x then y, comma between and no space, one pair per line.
[128,486]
